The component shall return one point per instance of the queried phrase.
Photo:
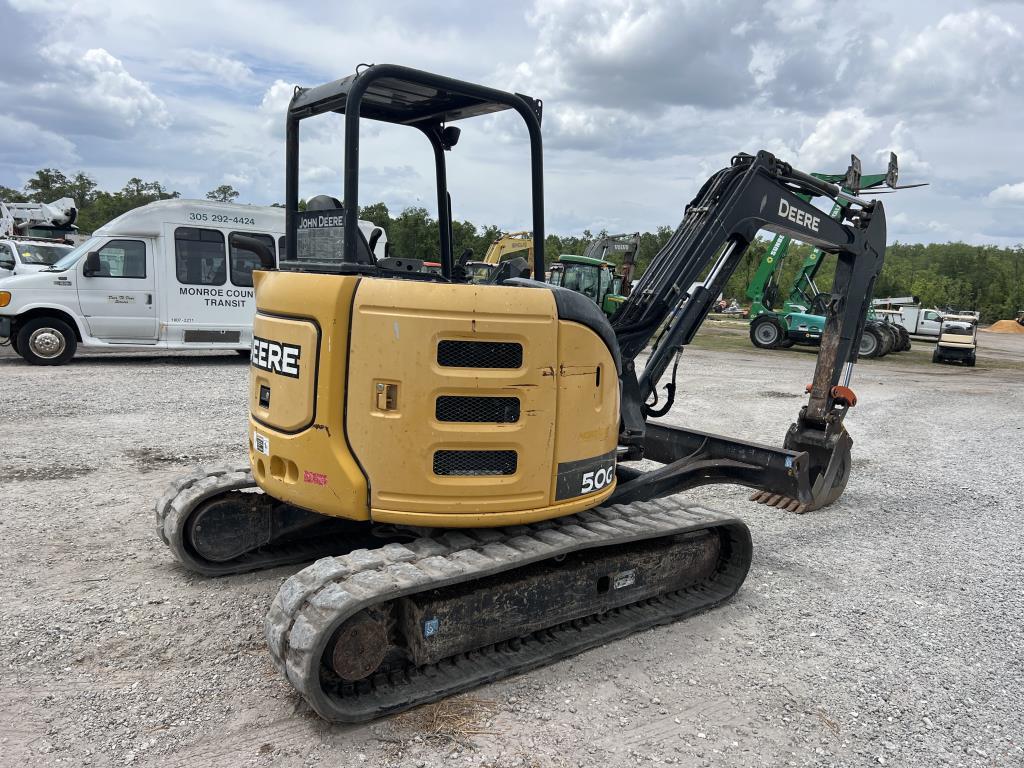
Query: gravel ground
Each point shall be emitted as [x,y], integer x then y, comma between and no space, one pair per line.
[883,630]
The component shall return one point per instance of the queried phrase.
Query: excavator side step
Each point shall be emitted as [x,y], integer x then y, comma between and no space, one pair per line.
[379,631]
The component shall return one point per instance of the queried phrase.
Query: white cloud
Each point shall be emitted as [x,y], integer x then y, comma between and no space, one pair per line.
[109,86]
[1010,194]
[641,56]
[965,62]
[800,15]
[273,106]
[93,93]
[222,69]
[642,100]
[835,136]
[21,140]
[902,142]
[764,62]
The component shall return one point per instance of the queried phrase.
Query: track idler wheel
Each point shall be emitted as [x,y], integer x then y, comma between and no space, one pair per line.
[359,647]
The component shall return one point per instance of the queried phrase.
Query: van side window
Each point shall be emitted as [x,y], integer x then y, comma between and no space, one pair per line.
[244,262]
[281,252]
[123,258]
[199,256]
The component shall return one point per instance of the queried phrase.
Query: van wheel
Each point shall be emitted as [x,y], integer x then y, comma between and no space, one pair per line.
[46,341]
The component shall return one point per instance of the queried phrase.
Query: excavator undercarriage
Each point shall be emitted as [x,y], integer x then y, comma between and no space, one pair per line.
[465,460]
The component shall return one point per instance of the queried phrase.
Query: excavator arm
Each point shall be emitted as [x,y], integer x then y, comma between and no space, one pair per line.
[753,193]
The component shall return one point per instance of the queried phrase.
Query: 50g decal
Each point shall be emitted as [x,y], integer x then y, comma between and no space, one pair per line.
[595,481]
[578,478]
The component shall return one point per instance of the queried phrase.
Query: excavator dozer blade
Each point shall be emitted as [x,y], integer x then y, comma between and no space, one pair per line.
[692,458]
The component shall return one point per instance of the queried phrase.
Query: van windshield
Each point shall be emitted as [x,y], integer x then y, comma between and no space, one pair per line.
[72,256]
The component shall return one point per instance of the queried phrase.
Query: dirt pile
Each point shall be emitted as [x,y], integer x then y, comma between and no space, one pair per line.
[1005,326]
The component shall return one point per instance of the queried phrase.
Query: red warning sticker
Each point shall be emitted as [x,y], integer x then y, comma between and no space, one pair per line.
[315,478]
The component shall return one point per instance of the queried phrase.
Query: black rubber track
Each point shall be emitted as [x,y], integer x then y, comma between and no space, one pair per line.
[314,603]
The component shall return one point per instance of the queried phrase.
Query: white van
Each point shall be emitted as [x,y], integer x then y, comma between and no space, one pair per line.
[168,275]
[24,255]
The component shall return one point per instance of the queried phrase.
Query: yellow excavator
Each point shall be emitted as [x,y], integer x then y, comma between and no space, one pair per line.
[467,460]
[511,245]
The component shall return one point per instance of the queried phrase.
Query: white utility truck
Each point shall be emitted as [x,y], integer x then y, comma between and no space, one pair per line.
[958,340]
[174,274]
[905,311]
[32,235]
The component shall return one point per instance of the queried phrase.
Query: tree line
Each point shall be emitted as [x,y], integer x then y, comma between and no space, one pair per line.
[95,206]
[985,278]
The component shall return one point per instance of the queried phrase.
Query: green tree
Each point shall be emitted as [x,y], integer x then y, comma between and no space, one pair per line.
[47,185]
[9,195]
[225,193]
[107,206]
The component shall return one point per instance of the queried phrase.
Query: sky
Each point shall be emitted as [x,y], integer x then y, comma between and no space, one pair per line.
[643,100]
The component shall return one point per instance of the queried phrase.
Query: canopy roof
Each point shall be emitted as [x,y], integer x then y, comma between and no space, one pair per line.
[398,95]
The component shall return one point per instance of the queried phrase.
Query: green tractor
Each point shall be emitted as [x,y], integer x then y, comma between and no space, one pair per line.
[592,277]
[800,319]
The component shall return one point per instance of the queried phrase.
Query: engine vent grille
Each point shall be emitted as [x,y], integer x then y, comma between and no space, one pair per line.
[475,462]
[480,354]
[499,410]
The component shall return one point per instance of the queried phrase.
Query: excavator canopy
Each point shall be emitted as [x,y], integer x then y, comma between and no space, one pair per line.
[403,96]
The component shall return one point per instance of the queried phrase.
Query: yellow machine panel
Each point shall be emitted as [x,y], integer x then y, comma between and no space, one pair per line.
[588,412]
[281,348]
[451,405]
[458,399]
[312,468]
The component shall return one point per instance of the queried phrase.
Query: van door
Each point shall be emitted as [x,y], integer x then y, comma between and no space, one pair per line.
[119,303]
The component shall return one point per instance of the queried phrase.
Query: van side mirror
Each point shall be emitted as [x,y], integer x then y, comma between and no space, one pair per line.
[92,264]
[7,261]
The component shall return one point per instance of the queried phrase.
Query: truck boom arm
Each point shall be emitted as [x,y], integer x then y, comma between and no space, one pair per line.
[16,218]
